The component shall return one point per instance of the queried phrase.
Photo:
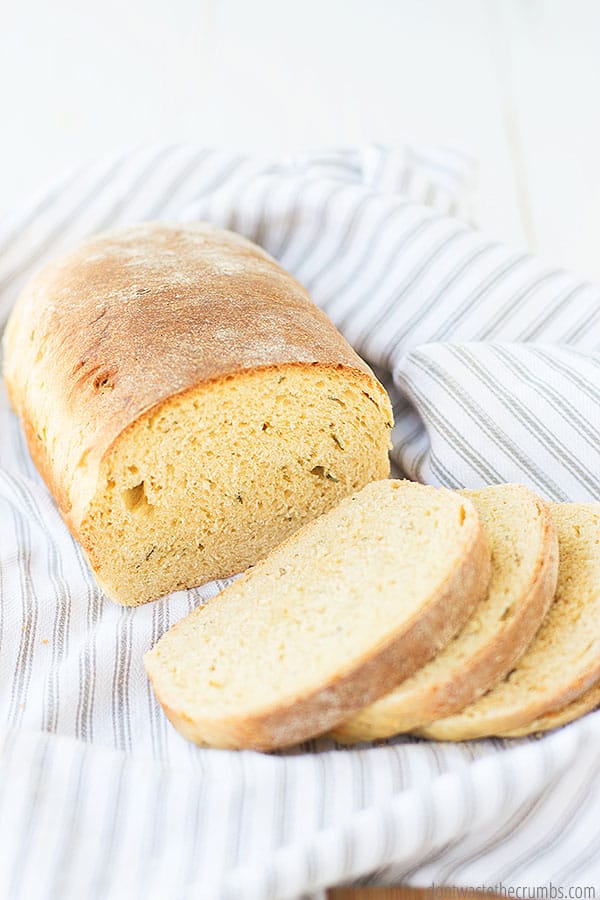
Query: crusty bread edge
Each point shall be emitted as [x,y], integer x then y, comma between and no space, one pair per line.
[585,703]
[364,680]
[484,669]
[499,725]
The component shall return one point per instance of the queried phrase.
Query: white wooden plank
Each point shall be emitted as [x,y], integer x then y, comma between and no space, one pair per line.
[287,76]
[266,76]
[80,80]
[555,56]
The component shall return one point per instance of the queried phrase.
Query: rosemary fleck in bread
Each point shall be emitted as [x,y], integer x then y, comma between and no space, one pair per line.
[187,404]
[584,704]
[524,549]
[563,662]
[349,605]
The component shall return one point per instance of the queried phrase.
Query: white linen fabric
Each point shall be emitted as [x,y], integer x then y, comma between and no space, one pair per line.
[491,359]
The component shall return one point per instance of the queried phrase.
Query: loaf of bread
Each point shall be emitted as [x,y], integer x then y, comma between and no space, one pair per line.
[349,605]
[187,404]
[562,663]
[523,543]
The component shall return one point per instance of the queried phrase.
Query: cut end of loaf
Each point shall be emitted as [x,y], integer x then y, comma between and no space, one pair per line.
[207,483]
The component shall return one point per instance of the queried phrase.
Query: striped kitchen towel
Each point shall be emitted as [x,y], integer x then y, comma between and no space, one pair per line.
[491,359]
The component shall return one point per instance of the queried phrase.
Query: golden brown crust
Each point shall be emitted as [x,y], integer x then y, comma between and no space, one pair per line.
[362,682]
[136,316]
[585,703]
[517,722]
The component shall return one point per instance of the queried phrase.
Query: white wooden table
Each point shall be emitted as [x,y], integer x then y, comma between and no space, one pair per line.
[514,82]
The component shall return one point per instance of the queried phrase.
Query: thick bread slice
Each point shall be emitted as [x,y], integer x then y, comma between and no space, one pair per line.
[563,662]
[522,539]
[187,404]
[352,603]
[584,704]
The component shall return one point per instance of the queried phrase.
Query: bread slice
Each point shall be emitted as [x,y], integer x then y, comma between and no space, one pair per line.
[584,704]
[187,404]
[563,662]
[352,603]
[524,572]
